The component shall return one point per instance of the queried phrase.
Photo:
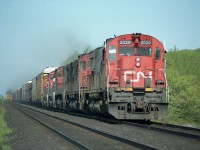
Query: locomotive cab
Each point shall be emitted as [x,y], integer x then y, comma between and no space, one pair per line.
[136,82]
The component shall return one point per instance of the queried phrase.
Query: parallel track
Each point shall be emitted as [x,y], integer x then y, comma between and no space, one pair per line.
[80,145]
[168,128]
[156,126]
[176,126]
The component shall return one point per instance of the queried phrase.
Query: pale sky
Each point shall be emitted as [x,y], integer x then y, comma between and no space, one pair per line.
[35,34]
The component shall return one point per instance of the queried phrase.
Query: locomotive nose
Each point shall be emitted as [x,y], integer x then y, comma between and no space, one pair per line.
[136,41]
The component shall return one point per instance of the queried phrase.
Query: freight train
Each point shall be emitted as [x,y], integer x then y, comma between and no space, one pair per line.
[124,79]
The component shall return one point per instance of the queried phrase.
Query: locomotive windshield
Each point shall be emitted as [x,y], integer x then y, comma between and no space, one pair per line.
[143,51]
[126,51]
[130,51]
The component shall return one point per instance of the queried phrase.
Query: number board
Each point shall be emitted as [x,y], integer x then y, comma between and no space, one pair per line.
[125,42]
[145,42]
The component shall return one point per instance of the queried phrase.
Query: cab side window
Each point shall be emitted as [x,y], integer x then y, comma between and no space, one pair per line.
[157,53]
[83,65]
[112,53]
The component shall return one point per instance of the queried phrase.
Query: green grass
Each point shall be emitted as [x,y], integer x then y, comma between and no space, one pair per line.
[4,130]
[183,74]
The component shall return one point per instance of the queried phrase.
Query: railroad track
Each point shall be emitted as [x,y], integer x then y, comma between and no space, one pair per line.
[189,132]
[183,131]
[49,121]
[64,136]
[176,126]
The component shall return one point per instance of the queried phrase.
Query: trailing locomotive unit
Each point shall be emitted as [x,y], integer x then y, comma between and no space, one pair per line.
[36,91]
[125,79]
[46,85]
[58,88]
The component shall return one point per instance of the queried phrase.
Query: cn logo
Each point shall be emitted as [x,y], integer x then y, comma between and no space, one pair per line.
[138,74]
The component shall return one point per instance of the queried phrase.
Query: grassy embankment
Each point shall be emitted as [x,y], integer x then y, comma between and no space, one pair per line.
[3,126]
[183,74]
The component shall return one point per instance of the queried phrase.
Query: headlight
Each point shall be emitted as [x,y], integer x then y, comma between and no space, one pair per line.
[137,59]
[137,64]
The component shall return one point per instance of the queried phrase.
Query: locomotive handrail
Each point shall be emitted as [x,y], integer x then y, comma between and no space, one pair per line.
[167,87]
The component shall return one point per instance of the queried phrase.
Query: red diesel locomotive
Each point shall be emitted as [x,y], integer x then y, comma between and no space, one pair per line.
[124,79]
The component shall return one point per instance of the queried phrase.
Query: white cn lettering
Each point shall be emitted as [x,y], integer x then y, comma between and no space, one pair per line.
[137,75]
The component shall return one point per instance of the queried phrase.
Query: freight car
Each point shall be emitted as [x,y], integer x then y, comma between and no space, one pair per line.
[26,95]
[17,95]
[124,79]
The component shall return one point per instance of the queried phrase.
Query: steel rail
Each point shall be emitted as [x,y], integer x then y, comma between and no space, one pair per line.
[164,130]
[64,136]
[176,126]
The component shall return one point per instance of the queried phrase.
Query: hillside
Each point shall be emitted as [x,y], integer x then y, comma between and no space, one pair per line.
[4,130]
[183,74]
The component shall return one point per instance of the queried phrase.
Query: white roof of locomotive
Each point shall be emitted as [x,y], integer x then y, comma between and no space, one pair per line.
[49,69]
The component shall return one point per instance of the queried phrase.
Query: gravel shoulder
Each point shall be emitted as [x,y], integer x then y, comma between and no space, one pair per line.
[29,134]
